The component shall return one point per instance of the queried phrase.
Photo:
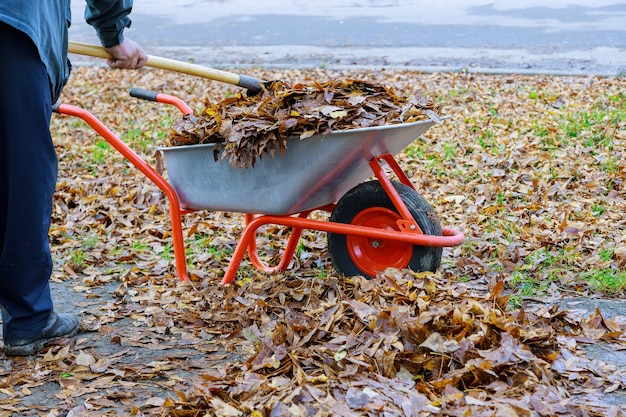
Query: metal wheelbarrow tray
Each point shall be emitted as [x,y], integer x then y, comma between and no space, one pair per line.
[373,224]
[311,173]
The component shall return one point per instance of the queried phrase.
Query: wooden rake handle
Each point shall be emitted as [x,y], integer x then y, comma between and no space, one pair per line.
[252,84]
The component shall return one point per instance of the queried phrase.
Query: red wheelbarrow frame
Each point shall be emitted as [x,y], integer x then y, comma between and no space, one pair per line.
[409,231]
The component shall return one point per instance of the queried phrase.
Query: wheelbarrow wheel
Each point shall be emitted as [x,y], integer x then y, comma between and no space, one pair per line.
[368,204]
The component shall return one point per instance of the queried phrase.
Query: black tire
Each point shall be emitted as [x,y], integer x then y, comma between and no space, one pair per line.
[371,195]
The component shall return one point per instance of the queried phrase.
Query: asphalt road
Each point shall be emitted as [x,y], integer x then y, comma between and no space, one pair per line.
[525,36]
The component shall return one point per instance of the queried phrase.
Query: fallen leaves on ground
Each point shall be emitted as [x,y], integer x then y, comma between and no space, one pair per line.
[401,344]
[536,188]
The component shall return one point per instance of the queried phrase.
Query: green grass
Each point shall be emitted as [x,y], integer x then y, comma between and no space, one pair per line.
[138,139]
[540,270]
[300,249]
[595,128]
[487,141]
[415,151]
[507,226]
[90,241]
[598,209]
[139,247]
[220,253]
[606,254]
[101,151]
[606,280]
[78,257]
[167,120]
[202,243]
[539,129]
[449,150]
[559,266]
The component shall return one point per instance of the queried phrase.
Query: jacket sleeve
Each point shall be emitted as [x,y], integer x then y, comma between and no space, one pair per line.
[109,18]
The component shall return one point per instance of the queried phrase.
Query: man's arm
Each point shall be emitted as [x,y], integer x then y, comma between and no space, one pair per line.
[109,18]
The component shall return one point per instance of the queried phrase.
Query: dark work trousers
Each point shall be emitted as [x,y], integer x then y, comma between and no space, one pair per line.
[28,170]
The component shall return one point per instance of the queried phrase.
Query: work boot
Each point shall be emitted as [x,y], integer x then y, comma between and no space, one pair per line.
[58,326]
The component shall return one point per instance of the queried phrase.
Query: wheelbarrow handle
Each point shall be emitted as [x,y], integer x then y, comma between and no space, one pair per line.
[253,85]
[161,98]
[143,94]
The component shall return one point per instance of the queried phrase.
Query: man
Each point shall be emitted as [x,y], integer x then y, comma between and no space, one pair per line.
[33,71]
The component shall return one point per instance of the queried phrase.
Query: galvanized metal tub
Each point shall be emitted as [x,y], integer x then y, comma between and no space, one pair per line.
[311,173]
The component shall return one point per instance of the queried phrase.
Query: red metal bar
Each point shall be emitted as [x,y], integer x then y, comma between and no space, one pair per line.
[397,170]
[148,171]
[287,255]
[407,222]
[181,105]
[450,237]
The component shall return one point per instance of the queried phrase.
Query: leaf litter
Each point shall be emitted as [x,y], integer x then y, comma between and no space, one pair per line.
[247,127]
[308,342]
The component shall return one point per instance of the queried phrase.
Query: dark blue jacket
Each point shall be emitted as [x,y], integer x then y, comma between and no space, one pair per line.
[46,23]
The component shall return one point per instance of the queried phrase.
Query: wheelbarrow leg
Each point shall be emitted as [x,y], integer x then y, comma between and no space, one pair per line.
[148,171]
[247,242]
[290,248]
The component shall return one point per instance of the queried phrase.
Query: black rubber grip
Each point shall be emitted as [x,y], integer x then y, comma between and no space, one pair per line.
[55,108]
[143,94]
[253,85]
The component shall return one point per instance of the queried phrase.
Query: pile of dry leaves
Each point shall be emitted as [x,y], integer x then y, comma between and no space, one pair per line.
[401,344]
[249,126]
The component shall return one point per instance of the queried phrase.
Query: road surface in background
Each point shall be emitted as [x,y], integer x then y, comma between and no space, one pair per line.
[586,37]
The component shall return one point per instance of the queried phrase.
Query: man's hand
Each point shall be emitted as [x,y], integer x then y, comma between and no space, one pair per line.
[127,55]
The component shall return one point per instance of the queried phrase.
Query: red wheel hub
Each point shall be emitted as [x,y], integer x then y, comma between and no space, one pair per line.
[374,255]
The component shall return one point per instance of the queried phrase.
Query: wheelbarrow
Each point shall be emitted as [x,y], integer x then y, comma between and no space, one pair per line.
[373,224]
